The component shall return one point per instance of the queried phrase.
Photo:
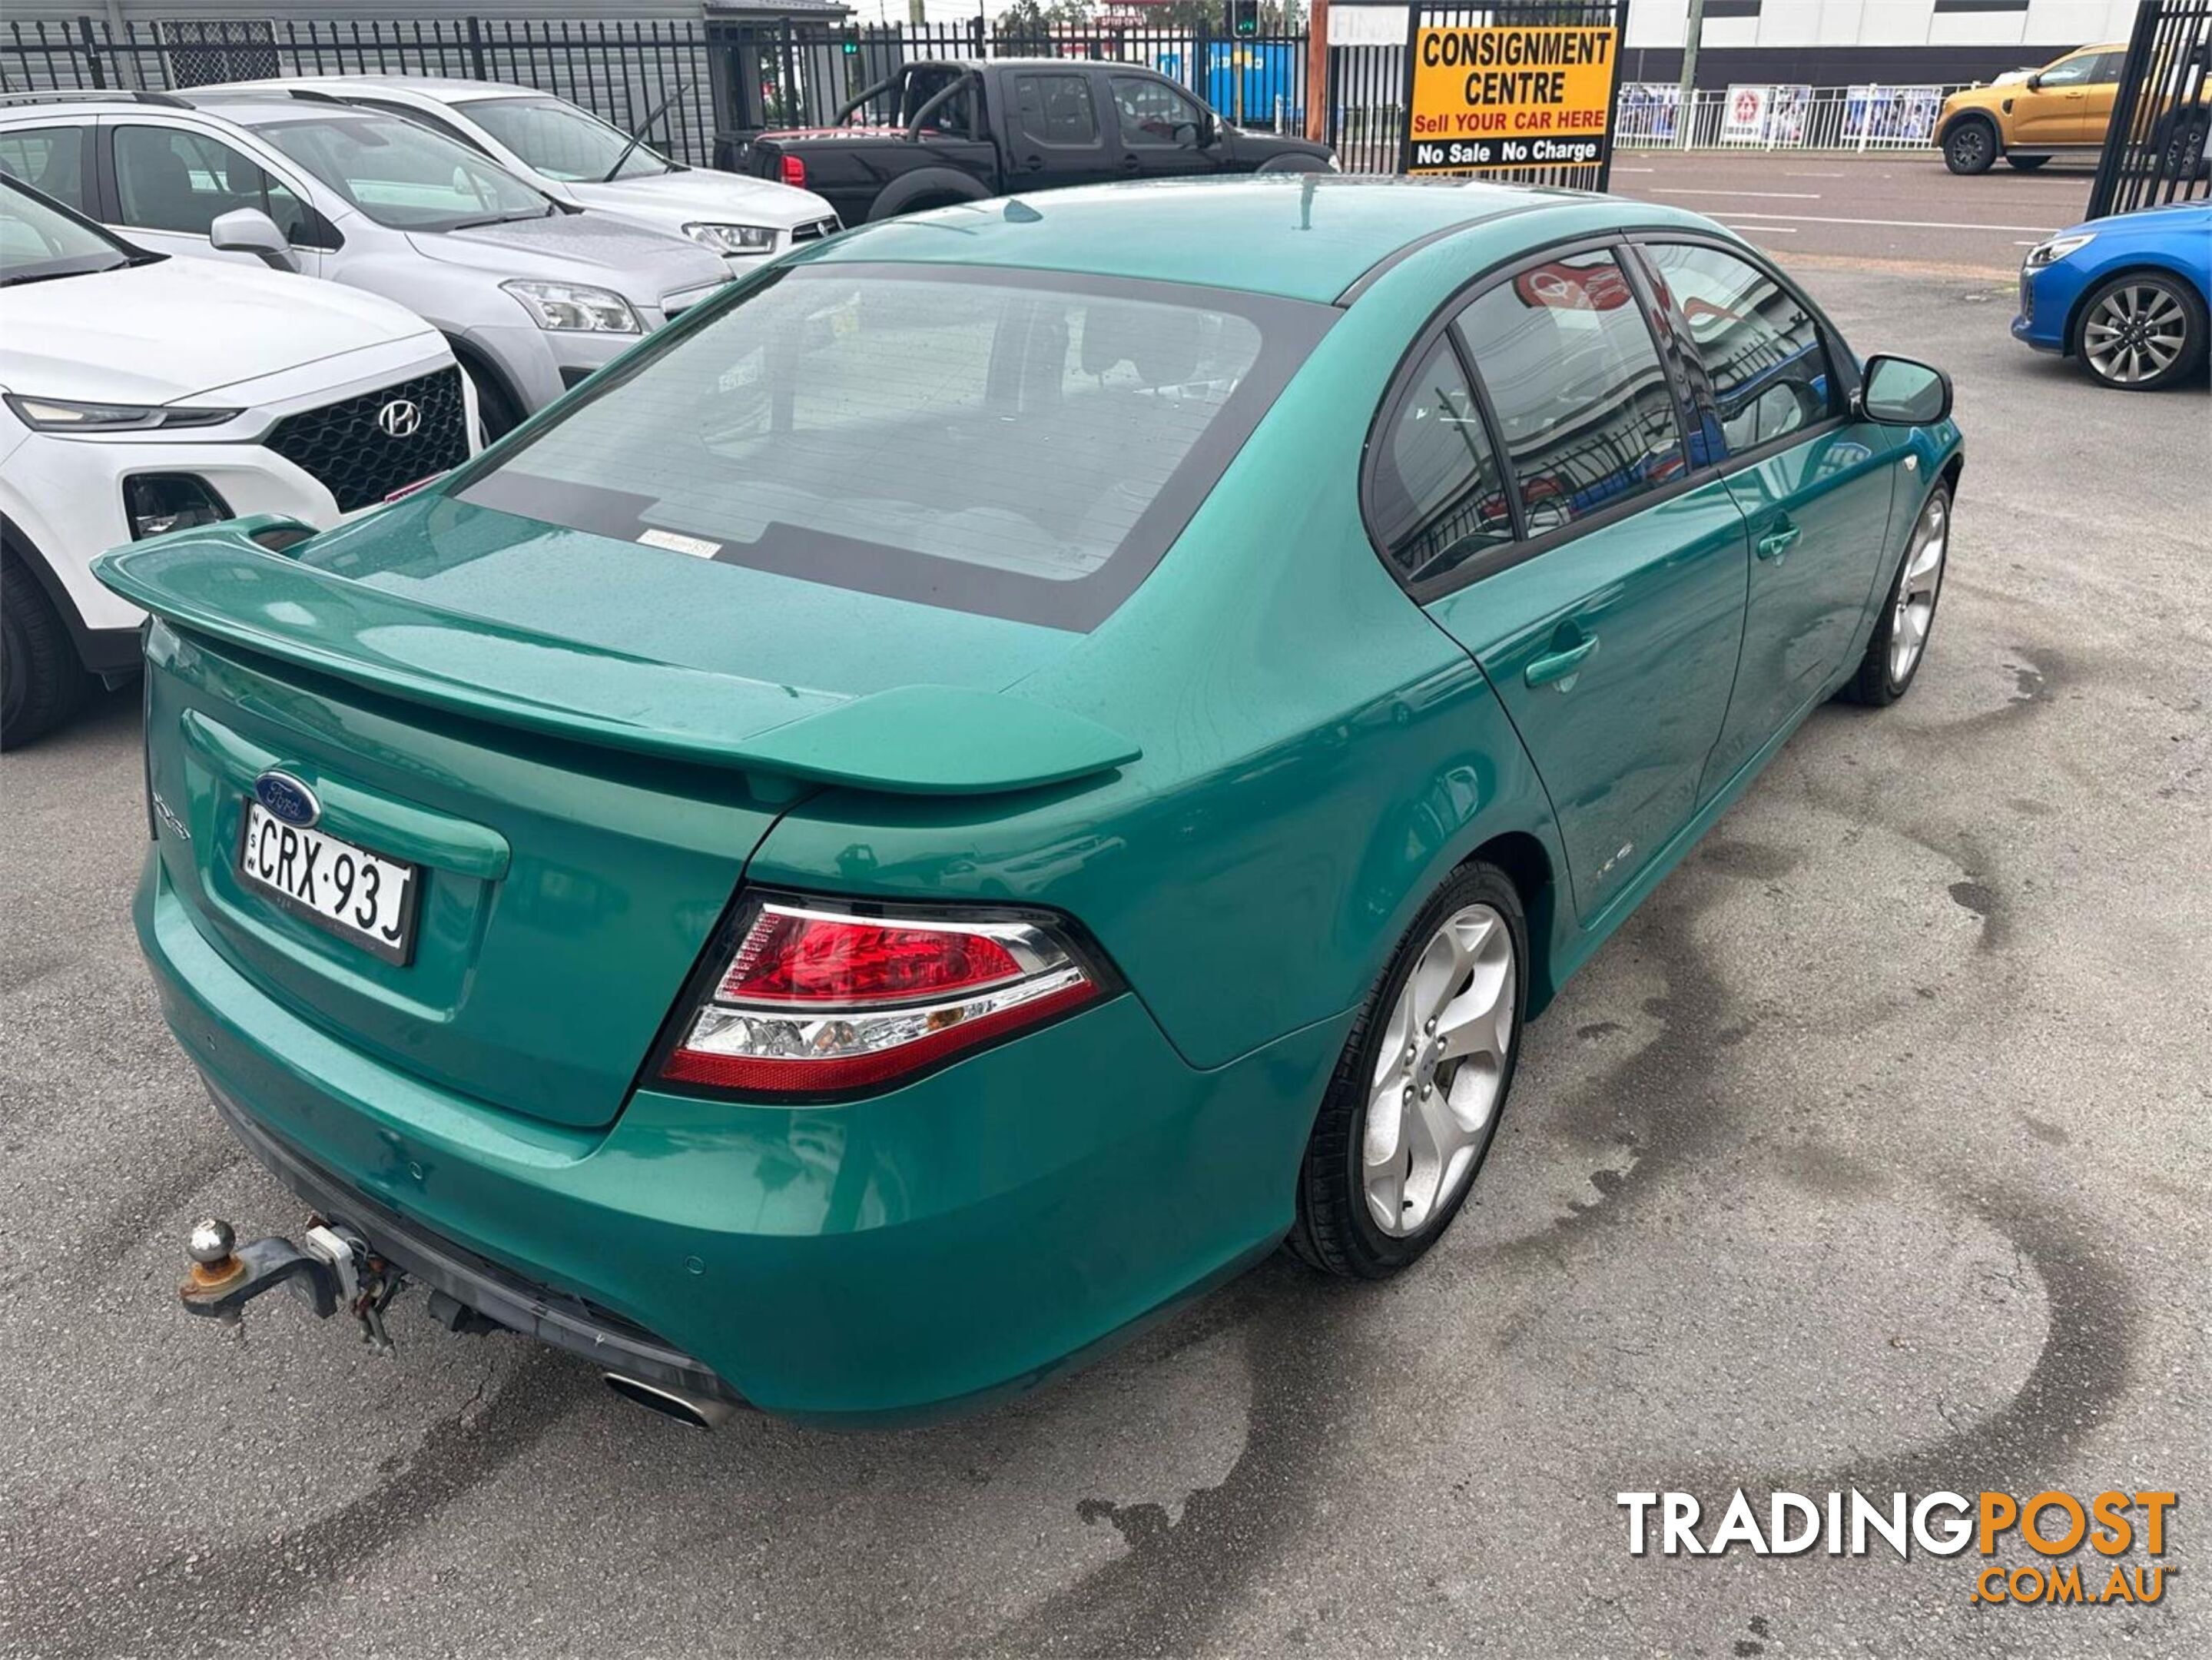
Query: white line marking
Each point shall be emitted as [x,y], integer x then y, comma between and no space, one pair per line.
[1762,195]
[1765,230]
[1818,175]
[1636,169]
[1898,224]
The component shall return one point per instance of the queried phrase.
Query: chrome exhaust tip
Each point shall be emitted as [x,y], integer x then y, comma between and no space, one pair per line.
[701,1412]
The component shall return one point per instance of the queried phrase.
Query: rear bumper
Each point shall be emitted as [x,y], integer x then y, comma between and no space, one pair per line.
[883,1261]
[567,1322]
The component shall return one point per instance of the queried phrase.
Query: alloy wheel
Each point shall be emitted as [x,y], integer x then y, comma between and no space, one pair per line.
[1914,609]
[1440,1071]
[2136,332]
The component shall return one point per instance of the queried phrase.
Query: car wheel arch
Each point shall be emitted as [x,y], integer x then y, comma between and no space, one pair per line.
[926,188]
[1983,118]
[1524,858]
[18,549]
[478,367]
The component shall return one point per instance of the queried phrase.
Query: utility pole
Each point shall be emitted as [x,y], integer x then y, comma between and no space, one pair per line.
[1685,108]
[1317,71]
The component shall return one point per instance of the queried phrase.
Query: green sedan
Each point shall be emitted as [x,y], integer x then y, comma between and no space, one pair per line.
[1002,770]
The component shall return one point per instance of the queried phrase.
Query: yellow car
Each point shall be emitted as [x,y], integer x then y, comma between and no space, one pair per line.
[2063,109]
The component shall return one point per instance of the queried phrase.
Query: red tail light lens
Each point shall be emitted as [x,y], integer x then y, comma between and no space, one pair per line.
[818,1000]
[794,172]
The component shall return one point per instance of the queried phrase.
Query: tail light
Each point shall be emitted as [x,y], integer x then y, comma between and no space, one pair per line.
[794,172]
[822,998]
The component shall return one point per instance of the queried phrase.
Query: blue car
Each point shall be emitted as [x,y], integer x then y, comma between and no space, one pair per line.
[2127,296]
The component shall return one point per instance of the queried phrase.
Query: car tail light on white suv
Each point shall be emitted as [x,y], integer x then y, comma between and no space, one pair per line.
[819,998]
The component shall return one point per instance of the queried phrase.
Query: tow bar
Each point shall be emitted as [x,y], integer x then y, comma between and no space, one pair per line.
[331,1268]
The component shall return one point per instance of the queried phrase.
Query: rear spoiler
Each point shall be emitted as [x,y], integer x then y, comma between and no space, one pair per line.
[220,581]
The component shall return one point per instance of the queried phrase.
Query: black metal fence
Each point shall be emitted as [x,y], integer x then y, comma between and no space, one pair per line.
[731,77]
[620,70]
[807,73]
[2155,150]
[722,77]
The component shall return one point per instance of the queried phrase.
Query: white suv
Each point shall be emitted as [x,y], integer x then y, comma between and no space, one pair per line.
[575,157]
[140,394]
[533,294]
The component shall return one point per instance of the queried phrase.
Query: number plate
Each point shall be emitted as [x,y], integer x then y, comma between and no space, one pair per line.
[334,885]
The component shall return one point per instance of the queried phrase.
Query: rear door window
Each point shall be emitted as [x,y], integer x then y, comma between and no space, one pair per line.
[1584,407]
[1055,108]
[1019,444]
[49,159]
[1761,350]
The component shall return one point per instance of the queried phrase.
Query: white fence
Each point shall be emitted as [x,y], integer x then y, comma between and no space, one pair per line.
[1869,118]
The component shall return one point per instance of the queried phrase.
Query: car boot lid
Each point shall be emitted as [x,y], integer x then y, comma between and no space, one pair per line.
[220,582]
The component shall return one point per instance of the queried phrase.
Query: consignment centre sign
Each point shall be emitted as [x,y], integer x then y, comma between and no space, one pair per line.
[1511,97]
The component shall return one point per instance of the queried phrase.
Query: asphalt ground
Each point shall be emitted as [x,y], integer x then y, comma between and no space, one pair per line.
[1875,1150]
[1900,208]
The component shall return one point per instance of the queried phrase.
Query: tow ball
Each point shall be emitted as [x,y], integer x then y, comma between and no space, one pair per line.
[332,1268]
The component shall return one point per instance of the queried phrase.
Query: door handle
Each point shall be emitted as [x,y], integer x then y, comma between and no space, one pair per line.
[1130,163]
[1779,540]
[1558,665]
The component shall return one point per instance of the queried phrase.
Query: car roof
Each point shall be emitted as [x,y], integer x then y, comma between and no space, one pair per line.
[445,89]
[1305,236]
[260,106]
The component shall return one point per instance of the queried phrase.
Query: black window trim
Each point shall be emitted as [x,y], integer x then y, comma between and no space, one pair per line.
[1685,375]
[1445,317]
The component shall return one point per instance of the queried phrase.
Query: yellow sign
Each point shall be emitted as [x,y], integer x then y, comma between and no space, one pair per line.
[1511,97]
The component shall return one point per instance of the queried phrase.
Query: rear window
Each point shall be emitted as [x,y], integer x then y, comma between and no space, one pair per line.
[1006,442]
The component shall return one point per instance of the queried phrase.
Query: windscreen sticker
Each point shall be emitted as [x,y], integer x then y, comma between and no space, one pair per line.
[676,542]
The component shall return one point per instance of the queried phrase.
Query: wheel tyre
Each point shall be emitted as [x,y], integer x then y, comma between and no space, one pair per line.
[2185,150]
[1971,149]
[2195,331]
[1336,1231]
[2025,163]
[42,679]
[1882,679]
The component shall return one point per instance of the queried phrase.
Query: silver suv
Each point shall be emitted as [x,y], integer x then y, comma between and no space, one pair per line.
[533,293]
[572,154]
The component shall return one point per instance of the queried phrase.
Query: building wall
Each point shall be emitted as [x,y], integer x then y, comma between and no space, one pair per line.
[1848,24]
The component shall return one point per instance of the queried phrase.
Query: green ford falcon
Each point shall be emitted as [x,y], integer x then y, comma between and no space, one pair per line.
[1000,770]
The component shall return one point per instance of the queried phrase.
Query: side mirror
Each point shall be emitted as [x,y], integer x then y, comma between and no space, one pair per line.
[249,230]
[2035,81]
[1896,392]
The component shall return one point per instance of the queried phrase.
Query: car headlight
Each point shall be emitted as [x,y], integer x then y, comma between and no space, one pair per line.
[2051,252]
[733,238]
[67,414]
[573,308]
